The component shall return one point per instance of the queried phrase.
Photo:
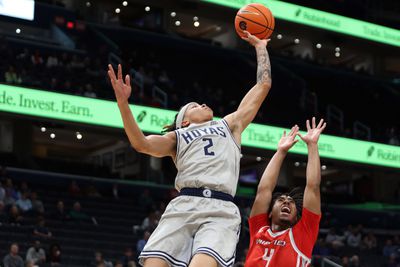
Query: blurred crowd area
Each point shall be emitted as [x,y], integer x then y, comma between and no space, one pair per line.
[93,223]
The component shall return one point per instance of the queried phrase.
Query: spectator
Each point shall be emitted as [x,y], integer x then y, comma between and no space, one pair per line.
[392,261]
[334,240]
[37,205]
[9,187]
[2,192]
[98,259]
[9,200]
[369,241]
[321,250]
[13,259]
[30,264]
[41,230]
[89,91]
[60,213]
[52,61]
[149,223]
[115,191]
[74,189]
[54,258]
[91,191]
[355,261]
[132,264]
[354,239]
[118,264]
[36,58]
[11,76]
[389,248]
[24,203]
[14,217]
[76,214]
[36,254]
[3,216]
[345,261]
[128,257]
[142,242]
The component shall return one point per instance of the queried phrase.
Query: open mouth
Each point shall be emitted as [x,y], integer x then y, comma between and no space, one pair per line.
[285,210]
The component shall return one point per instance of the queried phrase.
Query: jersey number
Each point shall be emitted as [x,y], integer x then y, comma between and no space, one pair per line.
[207,152]
[268,255]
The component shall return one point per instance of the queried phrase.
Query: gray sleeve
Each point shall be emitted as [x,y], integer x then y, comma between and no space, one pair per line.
[6,261]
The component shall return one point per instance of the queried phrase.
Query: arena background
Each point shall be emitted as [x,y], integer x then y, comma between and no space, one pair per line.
[62,142]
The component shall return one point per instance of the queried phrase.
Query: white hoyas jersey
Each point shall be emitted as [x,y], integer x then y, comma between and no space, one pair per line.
[207,156]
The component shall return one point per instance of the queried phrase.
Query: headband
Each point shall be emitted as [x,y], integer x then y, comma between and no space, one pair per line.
[181,114]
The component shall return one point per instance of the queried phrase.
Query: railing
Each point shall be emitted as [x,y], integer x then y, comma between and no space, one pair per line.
[328,263]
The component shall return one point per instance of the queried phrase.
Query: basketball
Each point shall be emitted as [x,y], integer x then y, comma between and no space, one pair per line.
[255,18]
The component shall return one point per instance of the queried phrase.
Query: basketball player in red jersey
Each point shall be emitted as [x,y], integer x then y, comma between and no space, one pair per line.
[284,226]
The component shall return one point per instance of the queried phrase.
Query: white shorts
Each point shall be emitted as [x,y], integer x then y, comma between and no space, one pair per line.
[192,225]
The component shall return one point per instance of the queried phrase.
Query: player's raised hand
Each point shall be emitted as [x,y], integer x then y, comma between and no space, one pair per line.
[288,141]
[122,89]
[254,41]
[313,131]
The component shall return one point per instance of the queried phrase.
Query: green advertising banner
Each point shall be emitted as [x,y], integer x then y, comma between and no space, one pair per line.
[323,20]
[105,113]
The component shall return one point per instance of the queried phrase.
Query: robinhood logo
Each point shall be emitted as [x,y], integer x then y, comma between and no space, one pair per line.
[370,151]
[141,116]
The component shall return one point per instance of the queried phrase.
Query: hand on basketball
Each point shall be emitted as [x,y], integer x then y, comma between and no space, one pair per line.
[313,131]
[121,88]
[288,141]
[254,41]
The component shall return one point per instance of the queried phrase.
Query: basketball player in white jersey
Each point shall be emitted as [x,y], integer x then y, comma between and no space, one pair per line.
[200,228]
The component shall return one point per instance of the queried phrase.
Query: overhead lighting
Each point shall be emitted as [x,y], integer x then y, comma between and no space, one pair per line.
[177,23]
[117,10]
[125,3]
[79,136]
[218,28]
[297,41]
[18,30]
[258,158]
[195,18]
[337,54]
[52,135]
[88,4]
[279,36]
[173,14]
[43,129]
[196,24]
[297,164]
[318,46]
[337,49]
[147,9]
[241,155]
[323,167]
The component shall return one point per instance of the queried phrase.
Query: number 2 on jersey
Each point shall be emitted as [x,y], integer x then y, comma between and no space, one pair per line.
[207,152]
[268,255]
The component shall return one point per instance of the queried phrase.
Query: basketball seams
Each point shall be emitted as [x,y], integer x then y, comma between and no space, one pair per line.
[255,22]
[266,19]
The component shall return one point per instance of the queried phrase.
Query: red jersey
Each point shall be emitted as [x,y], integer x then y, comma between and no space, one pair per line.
[289,248]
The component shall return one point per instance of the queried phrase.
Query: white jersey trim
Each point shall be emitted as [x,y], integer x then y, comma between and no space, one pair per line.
[295,246]
[277,233]
[231,134]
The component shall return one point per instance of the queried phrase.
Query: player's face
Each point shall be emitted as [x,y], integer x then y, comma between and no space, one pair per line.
[284,211]
[197,113]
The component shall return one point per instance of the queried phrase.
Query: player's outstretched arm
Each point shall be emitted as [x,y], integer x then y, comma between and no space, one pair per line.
[250,104]
[270,176]
[312,194]
[154,145]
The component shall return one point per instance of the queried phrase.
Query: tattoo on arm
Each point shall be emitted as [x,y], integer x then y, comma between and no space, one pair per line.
[263,66]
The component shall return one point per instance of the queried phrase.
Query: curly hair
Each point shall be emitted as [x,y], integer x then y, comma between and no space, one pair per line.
[296,194]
